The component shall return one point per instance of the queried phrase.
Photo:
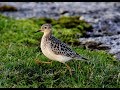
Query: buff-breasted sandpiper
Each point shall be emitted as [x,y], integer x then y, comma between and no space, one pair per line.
[56,50]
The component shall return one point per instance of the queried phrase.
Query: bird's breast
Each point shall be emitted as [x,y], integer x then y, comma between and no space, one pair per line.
[47,51]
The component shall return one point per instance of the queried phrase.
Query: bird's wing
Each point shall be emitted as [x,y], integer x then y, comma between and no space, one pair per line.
[61,48]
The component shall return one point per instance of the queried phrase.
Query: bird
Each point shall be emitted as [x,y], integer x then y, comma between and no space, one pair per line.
[56,50]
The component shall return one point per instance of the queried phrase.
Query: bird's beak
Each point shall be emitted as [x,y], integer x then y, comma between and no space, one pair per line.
[38,31]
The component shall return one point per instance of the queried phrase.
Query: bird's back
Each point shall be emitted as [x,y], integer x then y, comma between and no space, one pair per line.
[61,48]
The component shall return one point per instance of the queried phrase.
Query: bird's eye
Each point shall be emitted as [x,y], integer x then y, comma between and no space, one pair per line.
[45,27]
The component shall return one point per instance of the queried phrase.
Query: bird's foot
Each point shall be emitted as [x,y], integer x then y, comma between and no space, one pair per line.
[68,67]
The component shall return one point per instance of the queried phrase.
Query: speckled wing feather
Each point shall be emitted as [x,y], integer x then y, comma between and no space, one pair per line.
[61,48]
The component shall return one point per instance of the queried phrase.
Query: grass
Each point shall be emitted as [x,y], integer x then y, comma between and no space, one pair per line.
[20,48]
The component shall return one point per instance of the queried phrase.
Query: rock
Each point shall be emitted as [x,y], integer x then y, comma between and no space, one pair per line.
[81,18]
[110,43]
[107,26]
[93,45]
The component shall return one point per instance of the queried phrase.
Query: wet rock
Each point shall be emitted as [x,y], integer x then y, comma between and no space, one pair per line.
[93,45]
[64,13]
[107,26]
[112,43]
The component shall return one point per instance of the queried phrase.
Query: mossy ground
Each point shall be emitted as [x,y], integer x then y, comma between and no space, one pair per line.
[20,48]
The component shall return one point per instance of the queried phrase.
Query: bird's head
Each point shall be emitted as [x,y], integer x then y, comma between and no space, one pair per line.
[46,28]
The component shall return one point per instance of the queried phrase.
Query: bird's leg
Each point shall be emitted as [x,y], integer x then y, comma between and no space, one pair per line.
[68,67]
[40,62]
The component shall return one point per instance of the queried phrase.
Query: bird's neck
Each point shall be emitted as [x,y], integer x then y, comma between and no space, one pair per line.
[47,35]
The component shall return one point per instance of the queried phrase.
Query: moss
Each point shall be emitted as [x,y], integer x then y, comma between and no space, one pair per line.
[69,22]
[42,20]
[67,29]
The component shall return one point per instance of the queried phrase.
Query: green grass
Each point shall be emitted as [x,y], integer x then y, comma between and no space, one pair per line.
[19,48]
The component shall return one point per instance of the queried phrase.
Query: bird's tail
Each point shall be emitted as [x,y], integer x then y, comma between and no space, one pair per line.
[84,58]
[80,58]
